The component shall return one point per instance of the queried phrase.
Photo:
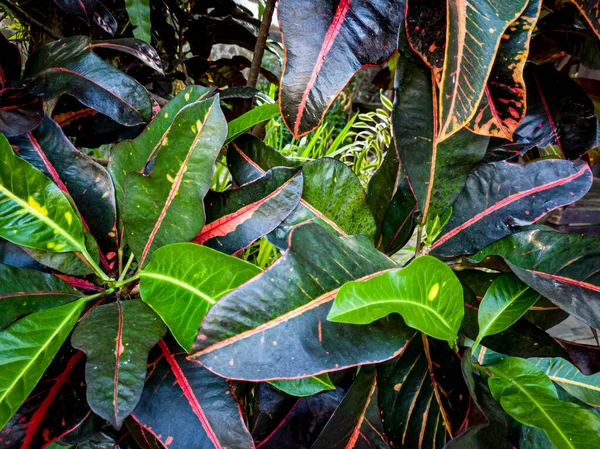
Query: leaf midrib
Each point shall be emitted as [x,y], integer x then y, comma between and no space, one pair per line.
[482,333]
[179,283]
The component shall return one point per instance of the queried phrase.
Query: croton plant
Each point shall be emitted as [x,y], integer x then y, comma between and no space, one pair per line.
[130,316]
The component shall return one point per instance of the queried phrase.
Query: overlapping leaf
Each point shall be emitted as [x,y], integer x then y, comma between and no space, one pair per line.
[135,47]
[500,196]
[83,9]
[253,117]
[184,280]
[345,36]
[165,206]
[139,15]
[289,302]
[20,112]
[591,12]
[305,387]
[117,356]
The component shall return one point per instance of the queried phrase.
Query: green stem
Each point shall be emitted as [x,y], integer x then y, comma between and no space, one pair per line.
[90,260]
[99,295]
[120,284]
[419,240]
[127,265]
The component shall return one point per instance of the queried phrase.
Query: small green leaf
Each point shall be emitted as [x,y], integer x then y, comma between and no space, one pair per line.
[139,15]
[184,280]
[305,387]
[28,347]
[253,117]
[426,293]
[528,395]
[507,300]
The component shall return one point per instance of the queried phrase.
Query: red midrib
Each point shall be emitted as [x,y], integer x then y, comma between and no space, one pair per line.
[550,119]
[189,394]
[505,202]
[356,432]
[18,294]
[227,224]
[119,343]
[566,280]
[332,32]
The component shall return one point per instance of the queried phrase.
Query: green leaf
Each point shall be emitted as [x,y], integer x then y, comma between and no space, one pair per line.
[28,347]
[305,387]
[165,206]
[25,291]
[426,293]
[253,117]
[117,338]
[528,395]
[565,374]
[139,15]
[507,300]
[184,280]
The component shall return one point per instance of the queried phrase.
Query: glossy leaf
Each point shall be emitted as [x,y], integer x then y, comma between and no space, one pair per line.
[504,303]
[65,67]
[527,394]
[104,19]
[237,217]
[305,387]
[289,303]
[20,112]
[589,9]
[25,291]
[165,206]
[436,171]
[475,28]
[29,345]
[184,280]
[559,112]
[83,9]
[135,47]
[502,107]
[500,196]
[345,36]
[197,408]
[426,293]
[400,219]
[139,15]
[253,117]
[117,356]
[76,174]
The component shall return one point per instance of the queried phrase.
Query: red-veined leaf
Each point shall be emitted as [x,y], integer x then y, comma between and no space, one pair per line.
[104,19]
[290,301]
[135,47]
[591,11]
[84,9]
[20,112]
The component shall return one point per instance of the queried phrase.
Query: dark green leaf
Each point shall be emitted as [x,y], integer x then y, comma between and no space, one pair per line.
[139,15]
[590,10]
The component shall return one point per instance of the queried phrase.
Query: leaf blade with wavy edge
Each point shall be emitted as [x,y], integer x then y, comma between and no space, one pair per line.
[561,267]
[565,374]
[475,28]
[25,291]
[290,301]
[500,196]
[319,64]
[237,217]
[305,387]
[527,394]
[426,293]
[29,346]
[139,15]
[116,357]
[65,66]
[166,205]
[184,280]
[507,300]
[253,117]
[191,398]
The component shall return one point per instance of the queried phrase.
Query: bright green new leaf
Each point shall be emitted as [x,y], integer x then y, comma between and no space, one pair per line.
[426,293]
[184,280]
[507,300]
[305,387]
[528,395]
[253,117]
[139,15]
[28,347]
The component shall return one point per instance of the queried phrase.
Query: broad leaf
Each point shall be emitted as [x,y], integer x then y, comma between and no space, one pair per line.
[591,12]
[426,293]
[504,303]
[527,394]
[25,291]
[418,411]
[83,9]
[436,171]
[237,217]
[305,387]
[104,19]
[561,267]
[117,356]
[184,280]
[135,47]
[502,107]
[253,117]
[197,408]
[345,36]
[559,112]
[475,28]
[66,67]
[76,174]
[400,219]
[139,15]
[165,206]
[20,112]
[500,196]
[289,302]
[29,345]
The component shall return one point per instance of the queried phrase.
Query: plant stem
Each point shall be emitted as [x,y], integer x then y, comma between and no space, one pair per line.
[90,260]
[99,295]
[22,15]
[261,41]
[120,284]
[127,265]
[419,245]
